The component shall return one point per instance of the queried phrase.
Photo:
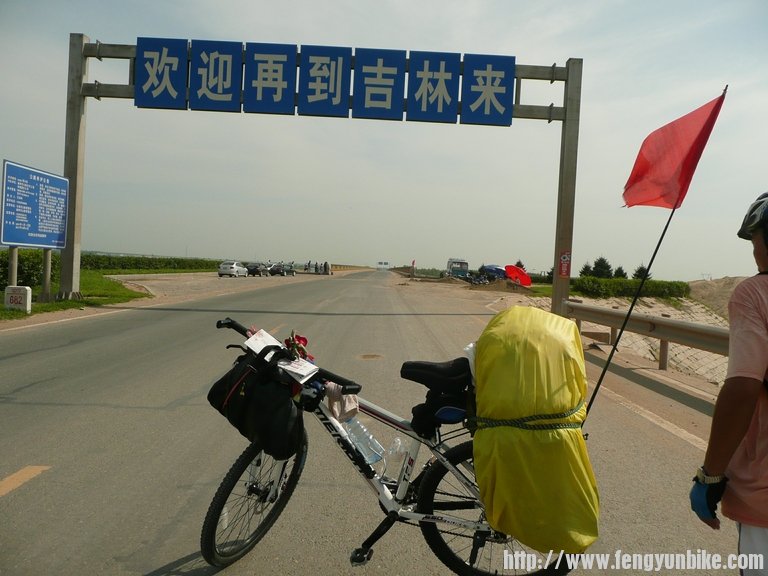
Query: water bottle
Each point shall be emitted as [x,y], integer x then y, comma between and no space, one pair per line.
[369,447]
[394,460]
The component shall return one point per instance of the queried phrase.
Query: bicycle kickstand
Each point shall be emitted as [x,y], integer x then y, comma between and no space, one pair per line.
[361,555]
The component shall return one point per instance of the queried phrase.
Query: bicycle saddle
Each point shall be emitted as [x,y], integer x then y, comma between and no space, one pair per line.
[451,377]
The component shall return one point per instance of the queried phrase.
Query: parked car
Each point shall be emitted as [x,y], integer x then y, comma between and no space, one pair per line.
[493,271]
[232,268]
[256,269]
[280,269]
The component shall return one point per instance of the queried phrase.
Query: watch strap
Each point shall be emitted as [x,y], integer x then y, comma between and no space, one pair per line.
[704,478]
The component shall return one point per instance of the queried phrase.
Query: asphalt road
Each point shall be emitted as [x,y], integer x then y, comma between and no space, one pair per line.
[110,454]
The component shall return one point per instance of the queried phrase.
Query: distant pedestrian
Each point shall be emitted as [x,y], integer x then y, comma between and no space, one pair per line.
[736,463]
[317,267]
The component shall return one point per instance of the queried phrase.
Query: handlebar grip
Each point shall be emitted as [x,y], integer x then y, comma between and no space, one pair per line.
[233,325]
[347,386]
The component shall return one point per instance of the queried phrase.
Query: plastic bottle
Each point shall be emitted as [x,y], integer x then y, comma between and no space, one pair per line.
[394,459]
[363,440]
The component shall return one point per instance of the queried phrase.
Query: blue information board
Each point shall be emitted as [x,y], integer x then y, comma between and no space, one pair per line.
[433,87]
[161,73]
[216,76]
[34,207]
[379,88]
[318,81]
[325,78]
[487,90]
[270,78]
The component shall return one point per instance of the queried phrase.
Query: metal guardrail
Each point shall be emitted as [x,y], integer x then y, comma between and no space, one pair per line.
[701,336]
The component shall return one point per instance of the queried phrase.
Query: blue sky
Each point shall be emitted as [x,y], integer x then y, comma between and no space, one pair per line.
[252,186]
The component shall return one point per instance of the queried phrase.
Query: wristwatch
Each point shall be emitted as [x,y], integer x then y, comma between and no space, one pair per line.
[704,478]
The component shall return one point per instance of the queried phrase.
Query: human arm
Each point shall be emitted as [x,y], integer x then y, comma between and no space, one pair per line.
[734,409]
[733,413]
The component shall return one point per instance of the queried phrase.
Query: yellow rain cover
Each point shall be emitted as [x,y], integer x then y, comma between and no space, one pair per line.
[534,474]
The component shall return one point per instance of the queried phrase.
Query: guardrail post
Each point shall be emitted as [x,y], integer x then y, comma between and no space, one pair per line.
[663,354]
[664,350]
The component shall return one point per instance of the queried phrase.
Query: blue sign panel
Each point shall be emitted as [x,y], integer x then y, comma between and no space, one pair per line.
[379,84]
[161,73]
[270,78]
[216,75]
[324,81]
[34,211]
[487,89]
[433,87]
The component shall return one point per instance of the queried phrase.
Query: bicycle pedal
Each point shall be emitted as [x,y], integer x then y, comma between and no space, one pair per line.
[361,556]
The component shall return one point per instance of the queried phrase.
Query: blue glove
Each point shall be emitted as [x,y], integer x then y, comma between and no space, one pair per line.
[311,395]
[705,497]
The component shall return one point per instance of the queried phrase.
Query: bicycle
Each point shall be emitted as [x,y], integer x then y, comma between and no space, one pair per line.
[443,499]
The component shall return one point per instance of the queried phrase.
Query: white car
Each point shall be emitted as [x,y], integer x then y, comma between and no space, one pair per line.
[232,268]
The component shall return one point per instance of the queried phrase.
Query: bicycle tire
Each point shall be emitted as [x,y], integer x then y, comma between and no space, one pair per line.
[242,496]
[452,544]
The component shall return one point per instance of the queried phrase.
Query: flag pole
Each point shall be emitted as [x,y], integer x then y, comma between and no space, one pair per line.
[629,312]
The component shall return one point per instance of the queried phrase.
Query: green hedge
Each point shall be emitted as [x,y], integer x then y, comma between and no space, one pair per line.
[29,271]
[90,261]
[610,287]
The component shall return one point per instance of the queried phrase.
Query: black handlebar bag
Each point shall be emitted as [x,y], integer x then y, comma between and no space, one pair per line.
[255,397]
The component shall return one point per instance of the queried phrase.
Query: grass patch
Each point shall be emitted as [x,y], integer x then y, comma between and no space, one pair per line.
[96,289]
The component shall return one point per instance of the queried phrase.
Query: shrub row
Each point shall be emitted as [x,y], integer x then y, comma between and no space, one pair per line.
[29,271]
[610,287]
[91,261]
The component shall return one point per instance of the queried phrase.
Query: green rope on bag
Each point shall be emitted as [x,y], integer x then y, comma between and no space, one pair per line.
[523,423]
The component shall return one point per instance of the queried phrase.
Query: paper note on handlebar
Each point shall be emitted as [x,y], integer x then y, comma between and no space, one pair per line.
[299,369]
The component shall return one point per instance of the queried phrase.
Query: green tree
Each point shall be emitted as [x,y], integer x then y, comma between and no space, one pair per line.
[619,272]
[586,270]
[641,272]
[602,268]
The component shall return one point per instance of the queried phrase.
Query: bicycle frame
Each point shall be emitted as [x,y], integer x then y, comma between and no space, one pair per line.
[393,502]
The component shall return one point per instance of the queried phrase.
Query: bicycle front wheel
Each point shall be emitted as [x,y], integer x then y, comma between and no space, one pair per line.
[466,551]
[249,500]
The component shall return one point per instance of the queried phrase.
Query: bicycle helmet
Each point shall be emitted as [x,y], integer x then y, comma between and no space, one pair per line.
[757,216]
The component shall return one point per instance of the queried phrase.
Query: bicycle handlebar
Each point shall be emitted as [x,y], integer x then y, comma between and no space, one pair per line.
[232,325]
[347,386]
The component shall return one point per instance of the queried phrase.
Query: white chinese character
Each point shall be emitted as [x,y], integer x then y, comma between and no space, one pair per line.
[488,84]
[428,92]
[157,64]
[326,74]
[269,74]
[378,85]
[216,76]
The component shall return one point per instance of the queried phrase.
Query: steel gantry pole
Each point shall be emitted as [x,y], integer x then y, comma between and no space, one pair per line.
[74,157]
[566,193]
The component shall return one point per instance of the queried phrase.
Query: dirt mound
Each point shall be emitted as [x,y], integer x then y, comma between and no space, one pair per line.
[714,293]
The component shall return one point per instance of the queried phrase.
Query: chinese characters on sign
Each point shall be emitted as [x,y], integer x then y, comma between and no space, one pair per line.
[34,208]
[319,81]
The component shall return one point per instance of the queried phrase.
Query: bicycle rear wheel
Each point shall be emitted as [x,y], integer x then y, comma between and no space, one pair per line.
[249,500]
[470,552]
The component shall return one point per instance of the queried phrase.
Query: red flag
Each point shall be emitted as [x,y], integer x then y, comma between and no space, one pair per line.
[668,158]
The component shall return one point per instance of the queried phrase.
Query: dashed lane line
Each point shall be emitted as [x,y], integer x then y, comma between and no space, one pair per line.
[16,479]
